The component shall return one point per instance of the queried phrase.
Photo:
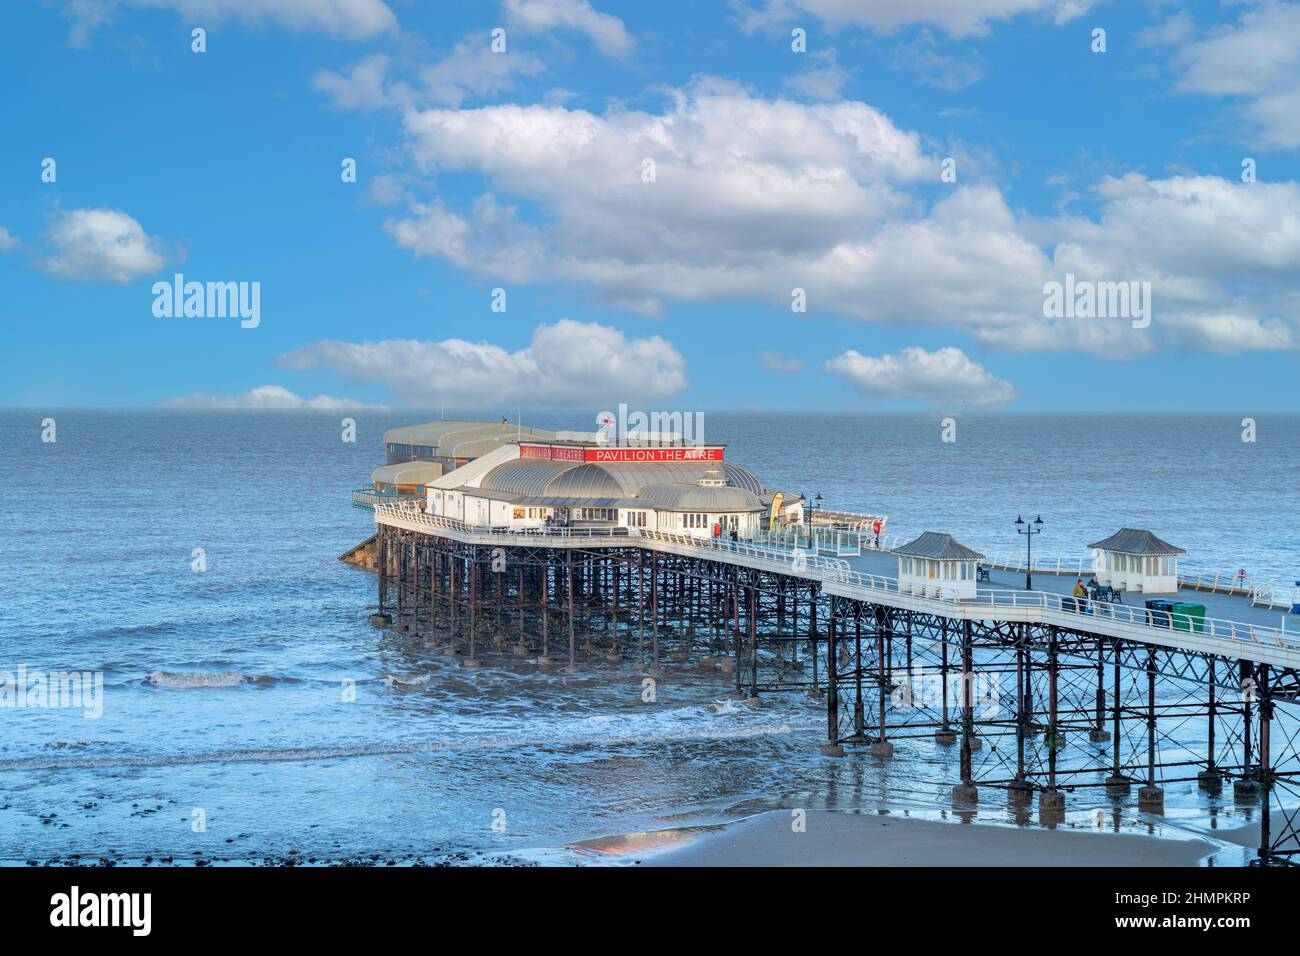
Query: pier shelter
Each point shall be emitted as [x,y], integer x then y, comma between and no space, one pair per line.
[1133,559]
[937,565]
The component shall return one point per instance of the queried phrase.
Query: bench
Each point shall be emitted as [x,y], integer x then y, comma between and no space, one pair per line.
[1104,592]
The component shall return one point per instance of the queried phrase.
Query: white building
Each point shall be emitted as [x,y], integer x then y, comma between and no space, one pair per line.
[937,565]
[1132,559]
[588,485]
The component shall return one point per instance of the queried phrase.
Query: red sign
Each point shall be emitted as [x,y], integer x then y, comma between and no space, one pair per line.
[554,452]
[653,454]
[620,454]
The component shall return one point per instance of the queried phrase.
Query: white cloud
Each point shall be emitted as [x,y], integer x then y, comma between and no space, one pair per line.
[825,80]
[605,30]
[350,19]
[8,241]
[957,17]
[933,68]
[780,362]
[268,398]
[567,363]
[1258,60]
[753,198]
[1228,333]
[101,244]
[472,69]
[492,242]
[740,183]
[362,87]
[1220,255]
[944,377]
[1171,31]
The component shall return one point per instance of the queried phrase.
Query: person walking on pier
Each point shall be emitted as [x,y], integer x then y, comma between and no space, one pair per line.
[875,529]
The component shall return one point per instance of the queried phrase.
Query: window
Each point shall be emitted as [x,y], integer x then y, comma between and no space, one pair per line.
[692,519]
[595,514]
[636,519]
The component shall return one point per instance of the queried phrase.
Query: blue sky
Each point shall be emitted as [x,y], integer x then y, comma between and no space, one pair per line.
[774,170]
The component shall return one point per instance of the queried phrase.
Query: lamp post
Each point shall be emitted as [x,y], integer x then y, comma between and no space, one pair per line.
[813,505]
[1029,529]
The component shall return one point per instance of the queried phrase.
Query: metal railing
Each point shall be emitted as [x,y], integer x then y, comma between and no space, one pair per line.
[369,498]
[1059,604]
[405,512]
[823,538]
[1261,592]
[1064,608]
[851,520]
[1042,565]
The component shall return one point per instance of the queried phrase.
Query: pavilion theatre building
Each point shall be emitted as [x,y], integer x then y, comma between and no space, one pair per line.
[580,484]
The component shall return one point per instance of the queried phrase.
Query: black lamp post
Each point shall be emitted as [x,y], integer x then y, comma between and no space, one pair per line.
[813,504]
[1029,529]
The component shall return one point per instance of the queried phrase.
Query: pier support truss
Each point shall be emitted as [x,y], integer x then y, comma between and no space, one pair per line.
[1030,710]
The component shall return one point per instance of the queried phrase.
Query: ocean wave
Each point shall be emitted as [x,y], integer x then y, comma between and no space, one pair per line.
[729,705]
[217,679]
[418,680]
[497,742]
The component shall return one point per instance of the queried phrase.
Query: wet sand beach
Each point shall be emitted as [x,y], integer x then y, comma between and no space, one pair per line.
[852,839]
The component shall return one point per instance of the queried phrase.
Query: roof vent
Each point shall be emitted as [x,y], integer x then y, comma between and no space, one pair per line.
[713,478]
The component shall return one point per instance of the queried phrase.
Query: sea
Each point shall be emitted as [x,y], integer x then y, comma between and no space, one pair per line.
[250,713]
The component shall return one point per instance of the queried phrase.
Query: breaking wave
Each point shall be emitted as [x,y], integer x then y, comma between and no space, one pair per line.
[597,732]
[218,679]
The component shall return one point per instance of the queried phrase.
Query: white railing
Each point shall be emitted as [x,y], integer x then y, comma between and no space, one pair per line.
[1261,592]
[1005,561]
[1266,595]
[853,520]
[369,498]
[837,571]
[840,541]
[412,515]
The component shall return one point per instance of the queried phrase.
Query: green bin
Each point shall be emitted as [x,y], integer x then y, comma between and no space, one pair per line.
[1188,617]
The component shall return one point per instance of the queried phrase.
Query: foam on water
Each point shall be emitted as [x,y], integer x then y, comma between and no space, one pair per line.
[222,679]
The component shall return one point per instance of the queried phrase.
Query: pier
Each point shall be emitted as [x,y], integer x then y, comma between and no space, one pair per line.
[1040,694]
